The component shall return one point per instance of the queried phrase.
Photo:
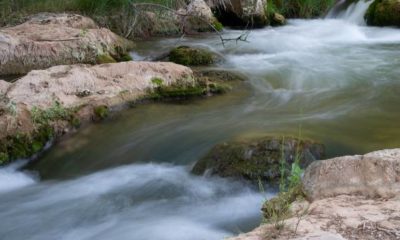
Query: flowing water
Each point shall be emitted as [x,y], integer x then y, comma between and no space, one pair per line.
[128,178]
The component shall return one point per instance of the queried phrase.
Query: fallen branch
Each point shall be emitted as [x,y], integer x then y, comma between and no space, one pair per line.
[242,37]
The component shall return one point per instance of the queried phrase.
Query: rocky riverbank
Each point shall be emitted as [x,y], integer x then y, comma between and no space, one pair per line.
[351,197]
[50,102]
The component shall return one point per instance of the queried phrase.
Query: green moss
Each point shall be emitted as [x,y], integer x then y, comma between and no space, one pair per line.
[189,56]
[266,159]
[126,58]
[75,122]
[176,92]
[3,158]
[383,13]
[54,113]
[218,25]
[25,145]
[101,112]
[157,81]
[299,8]
[219,88]
[105,58]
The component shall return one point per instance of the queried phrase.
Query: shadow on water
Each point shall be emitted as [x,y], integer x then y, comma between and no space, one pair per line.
[10,78]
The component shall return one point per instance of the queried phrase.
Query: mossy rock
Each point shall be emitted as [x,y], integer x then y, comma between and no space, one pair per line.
[124,58]
[383,13]
[176,92]
[258,159]
[105,58]
[24,145]
[207,82]
[218,25]
[277,19]
[190,56]
[219,75]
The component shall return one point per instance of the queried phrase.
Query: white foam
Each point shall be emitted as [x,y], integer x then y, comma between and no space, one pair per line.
[146,201]
[11,178]
[352,14]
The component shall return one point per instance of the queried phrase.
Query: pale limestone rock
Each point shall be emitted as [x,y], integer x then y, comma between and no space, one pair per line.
[373,174]
[47,40]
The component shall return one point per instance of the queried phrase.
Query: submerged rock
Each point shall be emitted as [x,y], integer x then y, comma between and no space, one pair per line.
[258,159]
[218,81]
[376,174]
[240,13]
[47,40]
[191,56]
[383,13]
[277,19]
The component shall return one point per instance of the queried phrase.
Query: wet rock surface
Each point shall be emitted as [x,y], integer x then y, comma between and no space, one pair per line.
[258,159]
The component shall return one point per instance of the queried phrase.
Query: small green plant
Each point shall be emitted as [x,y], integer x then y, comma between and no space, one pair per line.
[277,210]
[101,112]
[54,113]
[83,32]
[299,8]
[218,25]
[158,82]
[3,158]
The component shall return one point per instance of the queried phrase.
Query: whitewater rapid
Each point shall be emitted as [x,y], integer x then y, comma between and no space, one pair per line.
[149,201]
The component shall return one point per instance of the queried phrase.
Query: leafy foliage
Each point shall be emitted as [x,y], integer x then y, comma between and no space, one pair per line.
[300,8]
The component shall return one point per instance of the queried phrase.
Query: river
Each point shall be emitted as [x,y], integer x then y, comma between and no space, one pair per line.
[334,79]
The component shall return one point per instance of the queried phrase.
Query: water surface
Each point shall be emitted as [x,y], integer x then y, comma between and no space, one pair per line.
[128,178]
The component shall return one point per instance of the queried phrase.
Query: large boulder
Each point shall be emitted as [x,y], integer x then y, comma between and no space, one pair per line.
[351,197]
[240,13]
[258,159]
[384,13]
[47,40]
[338,218]
[376,174]
[199,18]
[47,103]
[76,85]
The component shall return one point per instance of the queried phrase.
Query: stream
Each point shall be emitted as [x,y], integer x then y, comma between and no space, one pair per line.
[333,80]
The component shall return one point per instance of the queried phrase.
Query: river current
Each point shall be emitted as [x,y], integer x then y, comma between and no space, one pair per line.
[335,79]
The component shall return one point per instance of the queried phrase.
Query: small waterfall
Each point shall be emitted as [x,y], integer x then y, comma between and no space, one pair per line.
[350,11]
